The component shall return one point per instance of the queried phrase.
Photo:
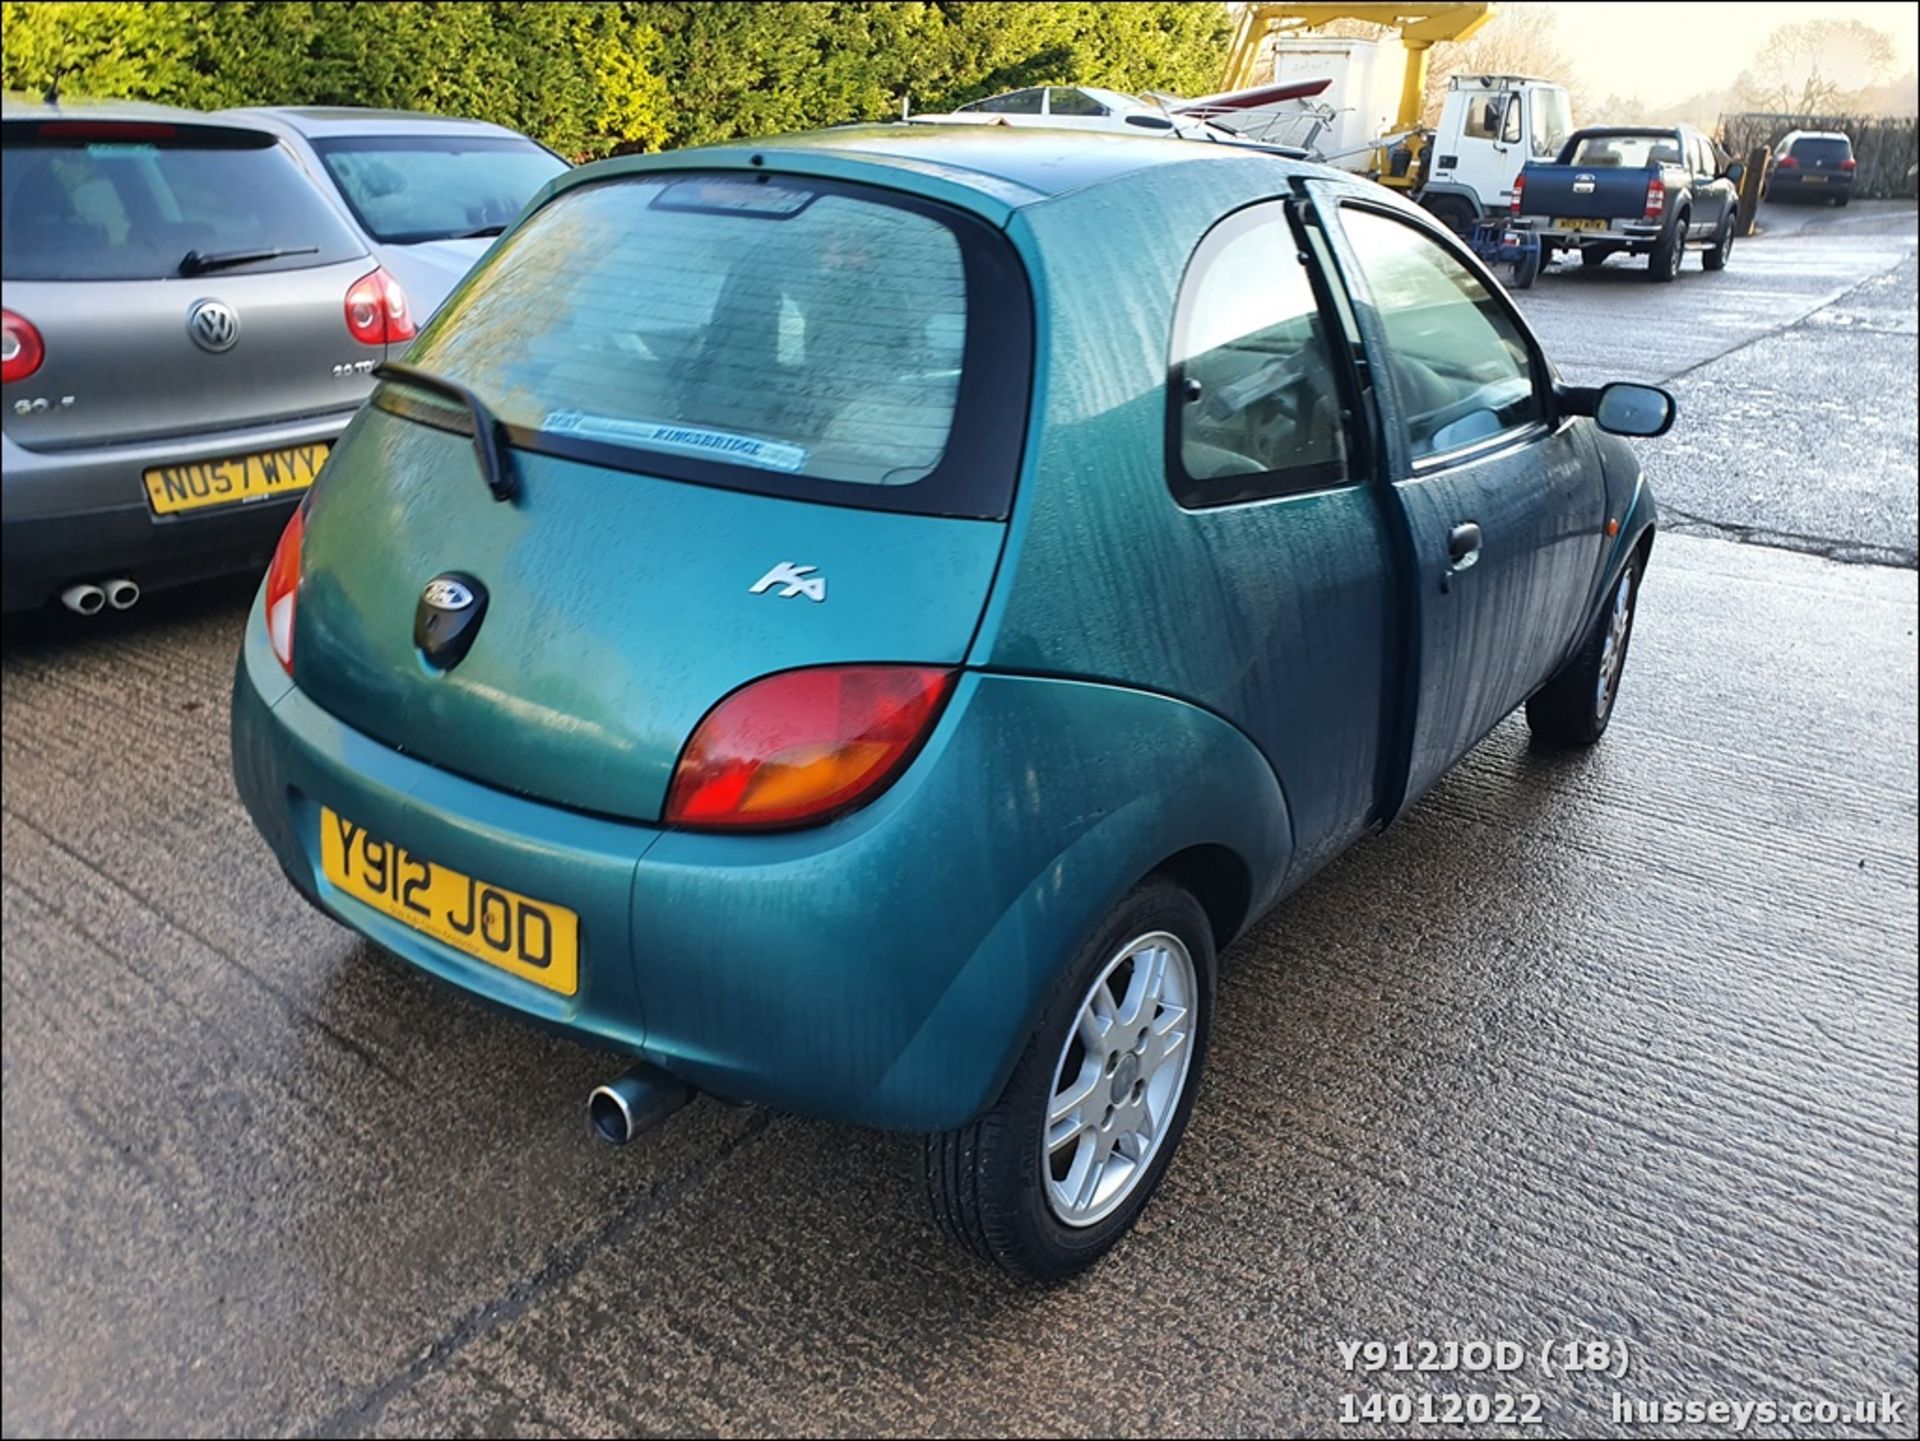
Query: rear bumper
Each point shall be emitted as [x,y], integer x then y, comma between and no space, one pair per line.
[78,515]
[883,969]
[1798,182]
[1624,234]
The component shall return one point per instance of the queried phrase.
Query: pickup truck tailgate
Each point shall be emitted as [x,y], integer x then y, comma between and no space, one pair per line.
[1576,192]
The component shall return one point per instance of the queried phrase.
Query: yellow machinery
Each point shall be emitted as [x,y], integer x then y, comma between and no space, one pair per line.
[1420,28]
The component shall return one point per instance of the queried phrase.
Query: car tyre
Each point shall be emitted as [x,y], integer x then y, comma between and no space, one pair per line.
[1663,264]
[1571,711]
[1526,269]
[1454,213]
[991,1184]
[1716,255]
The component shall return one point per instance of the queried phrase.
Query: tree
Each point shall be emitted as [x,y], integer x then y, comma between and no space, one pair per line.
[592,78]
[131,51]
[1812,66]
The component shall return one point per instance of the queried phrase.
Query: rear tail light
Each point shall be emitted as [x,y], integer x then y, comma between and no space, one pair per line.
[1786,162]
[1656,198]
[21,349]
[803,746]
[377,310]
[1849,163]
[283,586]
[1519,190]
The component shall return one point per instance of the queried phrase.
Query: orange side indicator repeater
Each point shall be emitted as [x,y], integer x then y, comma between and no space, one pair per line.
[1613,527]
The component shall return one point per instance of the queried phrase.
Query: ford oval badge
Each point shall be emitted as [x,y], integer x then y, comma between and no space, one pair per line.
[448,617]
[447,593]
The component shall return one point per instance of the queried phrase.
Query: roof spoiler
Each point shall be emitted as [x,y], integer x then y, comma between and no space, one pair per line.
[71,129]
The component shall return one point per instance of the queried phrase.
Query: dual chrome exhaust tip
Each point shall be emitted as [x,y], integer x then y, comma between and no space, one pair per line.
[90,599]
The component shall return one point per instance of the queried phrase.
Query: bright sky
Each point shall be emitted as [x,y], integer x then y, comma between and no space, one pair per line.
[1667,50]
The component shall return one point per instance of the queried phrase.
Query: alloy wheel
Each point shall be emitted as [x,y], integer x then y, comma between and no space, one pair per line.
[1613,651]
[1120,1078]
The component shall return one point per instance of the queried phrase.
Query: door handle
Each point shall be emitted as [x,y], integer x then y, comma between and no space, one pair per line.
[1463,546]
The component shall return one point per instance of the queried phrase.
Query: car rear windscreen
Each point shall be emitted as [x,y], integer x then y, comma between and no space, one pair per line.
[98,200]
[1626,152]
[1819,152]
[787,336]
[409,188]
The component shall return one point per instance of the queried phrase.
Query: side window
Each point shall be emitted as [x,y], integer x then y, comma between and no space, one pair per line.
[1018,102]
[1461,367]
[1510,129]
[1063,101]
[1255,400]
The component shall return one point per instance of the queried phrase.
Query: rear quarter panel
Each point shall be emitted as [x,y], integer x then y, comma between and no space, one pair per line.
[922,935]
[1107,578]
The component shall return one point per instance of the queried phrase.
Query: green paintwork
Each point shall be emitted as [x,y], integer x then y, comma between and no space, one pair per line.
[1239,690]
[620,608]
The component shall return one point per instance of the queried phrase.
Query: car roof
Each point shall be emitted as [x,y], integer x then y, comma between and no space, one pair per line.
[1816,135]
[321,120]
[1006,165]
[30,107]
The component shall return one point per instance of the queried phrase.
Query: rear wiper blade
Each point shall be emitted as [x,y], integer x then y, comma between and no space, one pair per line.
[195,263]
[489,440]
[485,232]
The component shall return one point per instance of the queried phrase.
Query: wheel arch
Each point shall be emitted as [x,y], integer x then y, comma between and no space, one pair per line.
[1201,805]
[1218,877]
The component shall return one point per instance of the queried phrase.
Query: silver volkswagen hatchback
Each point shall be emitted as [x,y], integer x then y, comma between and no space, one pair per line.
[188,327]
[426,194]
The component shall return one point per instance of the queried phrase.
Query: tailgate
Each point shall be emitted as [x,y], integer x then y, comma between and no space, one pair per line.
[124,350]
[620,607]
[182,278]
[1576,192]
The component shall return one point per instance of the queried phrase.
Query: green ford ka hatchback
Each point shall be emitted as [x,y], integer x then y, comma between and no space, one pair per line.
[857,623]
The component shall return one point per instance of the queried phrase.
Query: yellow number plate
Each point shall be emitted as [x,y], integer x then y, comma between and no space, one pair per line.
[1579,225]
[173,488]
[534,940]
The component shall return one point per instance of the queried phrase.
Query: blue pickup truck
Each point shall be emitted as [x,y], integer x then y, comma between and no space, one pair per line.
[1652,191]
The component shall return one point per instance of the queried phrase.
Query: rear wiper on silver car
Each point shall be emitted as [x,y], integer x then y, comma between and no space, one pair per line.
[489,440]
[195,263]
[484,232]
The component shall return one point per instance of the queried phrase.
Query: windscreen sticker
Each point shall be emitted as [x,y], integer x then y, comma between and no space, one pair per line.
[691,439]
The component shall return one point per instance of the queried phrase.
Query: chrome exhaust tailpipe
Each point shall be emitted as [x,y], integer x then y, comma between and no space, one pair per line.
[84,599]
[634,1103]
[122,594]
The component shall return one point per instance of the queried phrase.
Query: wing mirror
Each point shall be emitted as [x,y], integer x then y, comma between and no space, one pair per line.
[1621,407]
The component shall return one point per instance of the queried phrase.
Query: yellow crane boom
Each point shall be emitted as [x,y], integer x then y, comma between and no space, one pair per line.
[1421,27]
